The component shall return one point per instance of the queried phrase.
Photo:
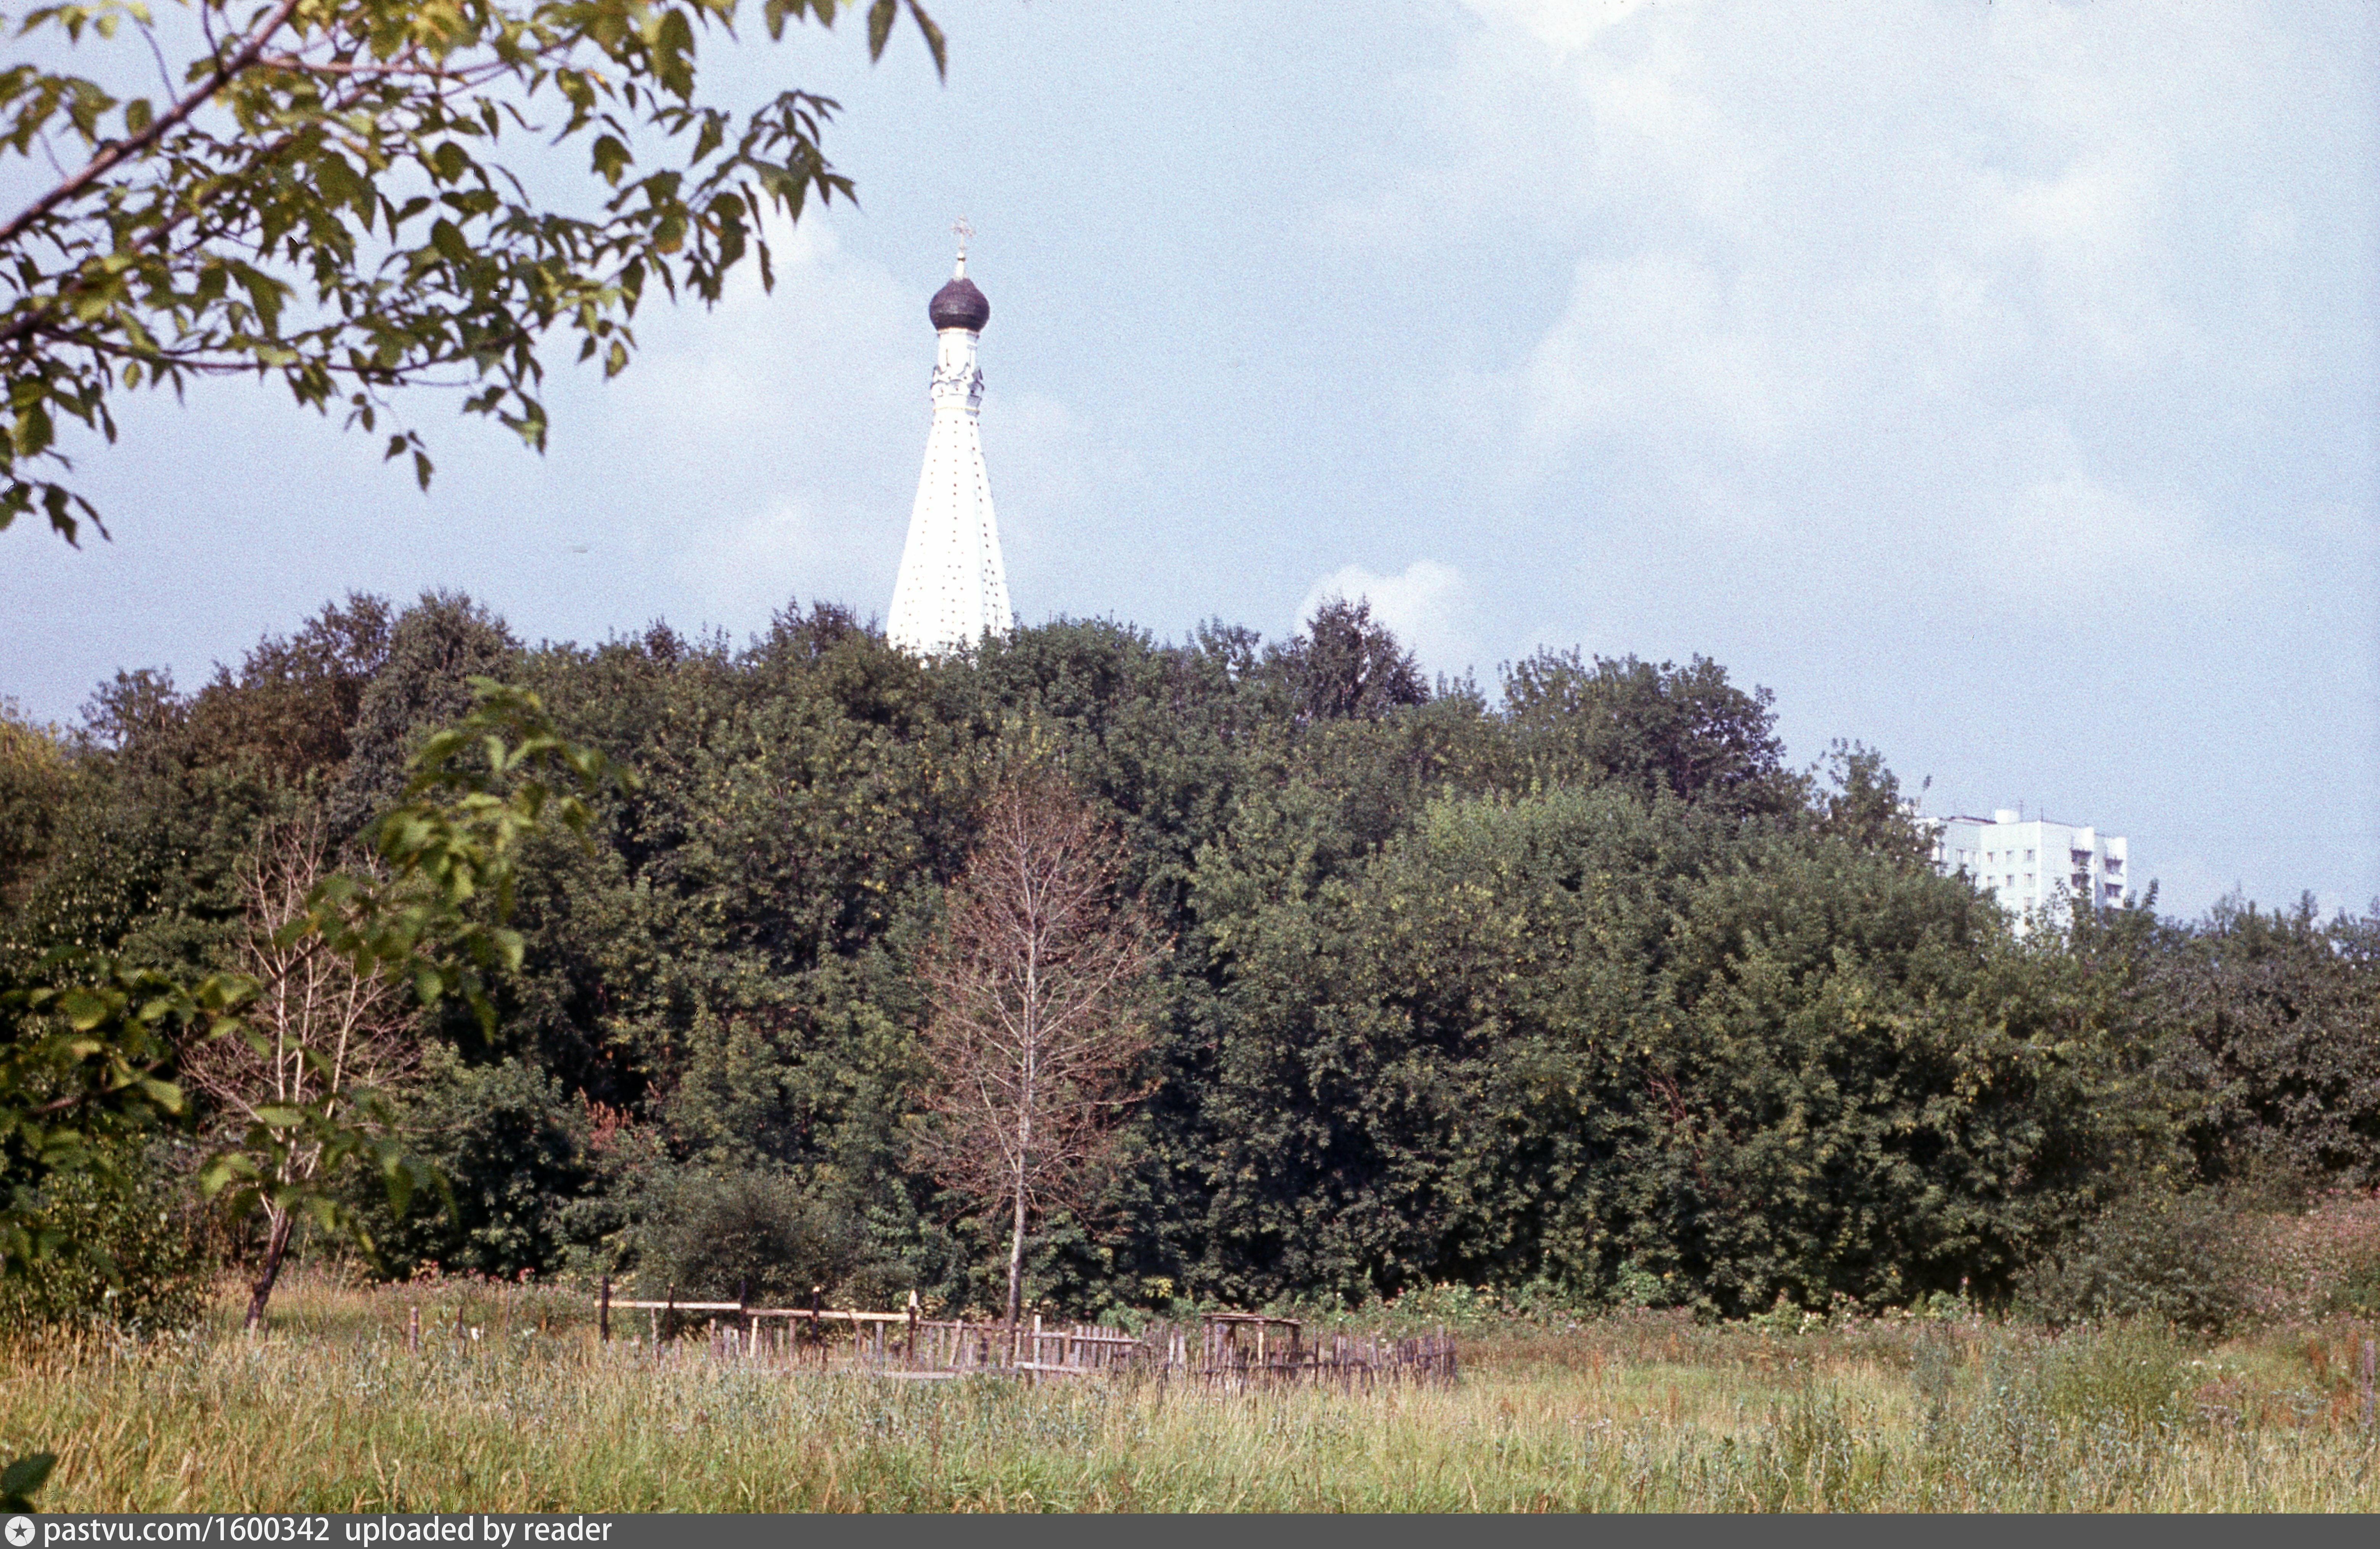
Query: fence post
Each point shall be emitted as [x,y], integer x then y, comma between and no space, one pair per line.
[909,1356]
[603,1313]
[2370,1358]
[413,1328]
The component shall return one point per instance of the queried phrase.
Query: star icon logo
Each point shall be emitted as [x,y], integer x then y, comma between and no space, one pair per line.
[20,1532]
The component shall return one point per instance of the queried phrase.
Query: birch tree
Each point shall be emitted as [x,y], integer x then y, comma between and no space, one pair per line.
[1039,990]
[318,1033]
[102,1057]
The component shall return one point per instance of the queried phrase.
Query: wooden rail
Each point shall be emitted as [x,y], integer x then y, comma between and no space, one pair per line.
[743,1312]
[1224,1351]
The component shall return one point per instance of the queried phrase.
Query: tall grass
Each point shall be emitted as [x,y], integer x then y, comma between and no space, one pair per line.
[332,1413]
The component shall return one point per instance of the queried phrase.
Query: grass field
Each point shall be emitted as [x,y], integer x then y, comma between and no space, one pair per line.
[332,1413]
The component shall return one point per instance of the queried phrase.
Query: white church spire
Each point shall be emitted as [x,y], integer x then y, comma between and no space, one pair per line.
[952,591]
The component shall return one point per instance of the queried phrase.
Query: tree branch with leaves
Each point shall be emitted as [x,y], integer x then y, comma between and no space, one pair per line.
[325,195]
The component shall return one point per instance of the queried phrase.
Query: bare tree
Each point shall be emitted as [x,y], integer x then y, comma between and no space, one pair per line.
[1039,987]
[317,1030]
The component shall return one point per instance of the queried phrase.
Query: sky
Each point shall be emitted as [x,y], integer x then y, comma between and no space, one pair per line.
[1997,381]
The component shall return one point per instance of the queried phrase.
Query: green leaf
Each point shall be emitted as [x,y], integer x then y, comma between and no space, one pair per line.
[936,44]
[447,239]
[610,159]
[22,1479]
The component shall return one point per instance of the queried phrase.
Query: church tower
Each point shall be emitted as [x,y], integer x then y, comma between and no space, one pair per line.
[952,591]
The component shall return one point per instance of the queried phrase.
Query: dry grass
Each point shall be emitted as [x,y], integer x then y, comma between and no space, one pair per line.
[332,1413]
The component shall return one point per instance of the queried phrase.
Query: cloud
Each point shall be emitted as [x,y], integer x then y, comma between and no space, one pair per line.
[1826,253]
[740,387]
[1564,25]
[1427,605]
[1658,341]
[1040,454]
[759,477]
[744,568]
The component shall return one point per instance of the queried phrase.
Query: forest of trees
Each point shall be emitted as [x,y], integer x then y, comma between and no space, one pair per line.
[1576,991]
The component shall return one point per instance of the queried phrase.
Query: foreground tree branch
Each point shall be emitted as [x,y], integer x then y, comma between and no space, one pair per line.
[329,201]
[113,153]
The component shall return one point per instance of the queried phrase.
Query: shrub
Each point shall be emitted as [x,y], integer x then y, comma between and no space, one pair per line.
[136,1260]
[516,1152]
[716,1233]
[2316,1256]
[2175,1258]
[2270,1062]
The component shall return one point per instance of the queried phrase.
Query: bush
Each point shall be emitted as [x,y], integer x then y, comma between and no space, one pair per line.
[2314,1256]
[2180,1259]
[135,1260]
[2269,1060]
[715,1235]
[516,1152]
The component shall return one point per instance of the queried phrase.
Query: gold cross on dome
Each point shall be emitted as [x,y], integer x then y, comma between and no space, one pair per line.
[962,229]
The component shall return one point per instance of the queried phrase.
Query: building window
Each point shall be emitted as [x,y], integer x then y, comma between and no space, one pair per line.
[2028,858]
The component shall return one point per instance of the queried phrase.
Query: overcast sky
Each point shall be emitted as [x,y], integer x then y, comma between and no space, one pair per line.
[1998,383]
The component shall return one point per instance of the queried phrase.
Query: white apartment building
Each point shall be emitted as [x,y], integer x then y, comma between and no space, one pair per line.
[2033,866]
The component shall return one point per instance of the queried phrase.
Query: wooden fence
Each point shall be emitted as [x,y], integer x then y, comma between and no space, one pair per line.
[1229,1352]
[1237,1351]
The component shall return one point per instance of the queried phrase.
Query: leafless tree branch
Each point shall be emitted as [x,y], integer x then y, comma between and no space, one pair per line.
[317,1028]
[1038,988]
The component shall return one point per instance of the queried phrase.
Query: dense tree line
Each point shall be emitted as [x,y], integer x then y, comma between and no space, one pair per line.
[1583,993]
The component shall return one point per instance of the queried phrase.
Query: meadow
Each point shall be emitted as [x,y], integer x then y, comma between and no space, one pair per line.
[332,1412]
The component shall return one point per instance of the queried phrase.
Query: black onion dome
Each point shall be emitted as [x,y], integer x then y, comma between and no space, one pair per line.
[959,305]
